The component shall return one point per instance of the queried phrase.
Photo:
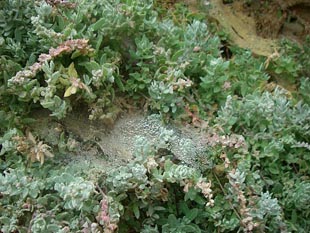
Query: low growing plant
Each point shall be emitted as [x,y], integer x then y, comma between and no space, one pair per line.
[109,56]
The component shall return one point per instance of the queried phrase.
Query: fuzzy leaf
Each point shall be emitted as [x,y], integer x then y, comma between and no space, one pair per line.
[192,214]
[72,71]
[98,24]
[70,90]
[92,65]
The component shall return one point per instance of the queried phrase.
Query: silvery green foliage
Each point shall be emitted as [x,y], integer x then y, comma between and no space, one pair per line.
[16,43]
[149,229]
[299,196]
[124,178]
[305,89]
[136,174]
[161,92]
[15,184]
[238,178]
[147,176]
[274,110]
[172,66]
[266,115]
[267,206]
[74,191]
[7,142]
[42,28]
[165,137]
[195,34]
[142,147]
[176,173]
[29,200]
[277,130]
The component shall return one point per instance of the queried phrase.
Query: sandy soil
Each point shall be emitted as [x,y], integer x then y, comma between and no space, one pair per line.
[258,25]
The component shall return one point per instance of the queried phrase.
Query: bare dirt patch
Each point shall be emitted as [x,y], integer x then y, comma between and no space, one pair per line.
[257,25]
[278,18]
[241,27]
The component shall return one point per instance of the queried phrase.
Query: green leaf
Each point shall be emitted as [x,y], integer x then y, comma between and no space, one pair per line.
[177,55]
[168,165]
[99,41]
[53,228]
[61,22]
[47,103]
[294,216]
[72,71]
[200,200]
[70,91]
[191,228]
[173,221]
[5,221]
[76,54]
[119,83]
[64,81]
[18,35]
[183,207]
[159,208]
[165,109]
[92,65]
[136,211]
[192,214]
[191,194]
[98,24]
[273,168]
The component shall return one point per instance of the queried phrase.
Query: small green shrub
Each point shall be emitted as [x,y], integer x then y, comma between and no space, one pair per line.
[45,200]
[152,192]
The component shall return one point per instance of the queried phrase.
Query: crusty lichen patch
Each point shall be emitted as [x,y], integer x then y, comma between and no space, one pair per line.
[94,146]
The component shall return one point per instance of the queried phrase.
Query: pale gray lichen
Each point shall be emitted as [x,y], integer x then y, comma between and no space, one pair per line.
[185,145]
[101,146]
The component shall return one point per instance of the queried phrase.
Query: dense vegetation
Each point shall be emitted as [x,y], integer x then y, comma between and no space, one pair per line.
[107,55]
